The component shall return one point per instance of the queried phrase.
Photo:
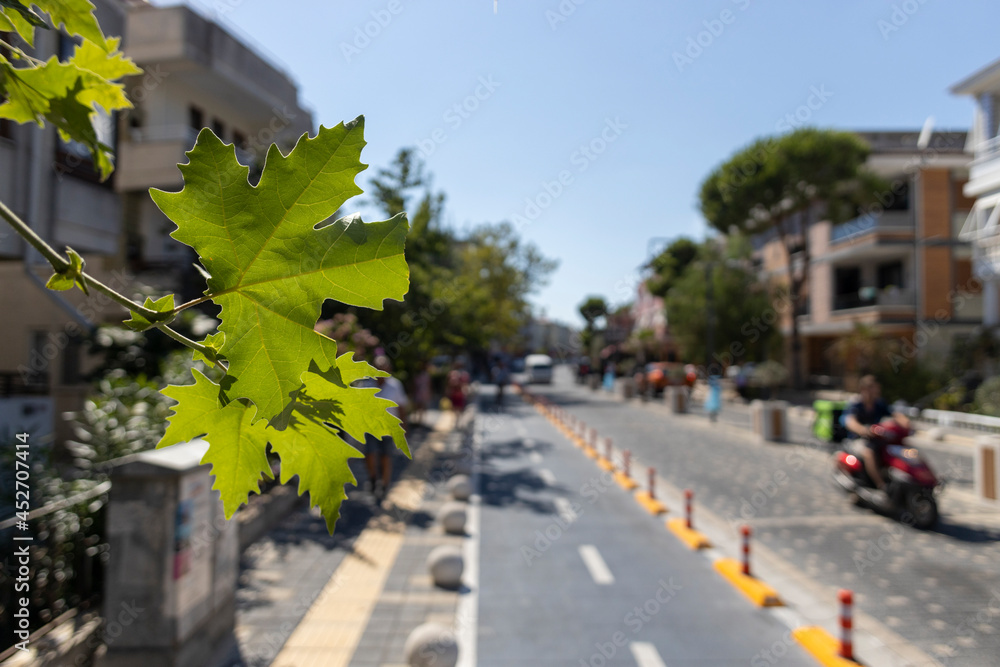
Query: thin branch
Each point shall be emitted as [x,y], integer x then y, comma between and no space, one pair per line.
[55,259]
[184,340]
[60,264]
[20,54]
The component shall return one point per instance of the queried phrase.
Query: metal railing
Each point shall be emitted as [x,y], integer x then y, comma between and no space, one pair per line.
[888,221]
[983,423]
[874,297]
[16,384]
[66,559]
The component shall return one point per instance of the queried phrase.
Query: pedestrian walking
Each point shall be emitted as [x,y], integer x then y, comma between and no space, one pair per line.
[421,394]
[379,451]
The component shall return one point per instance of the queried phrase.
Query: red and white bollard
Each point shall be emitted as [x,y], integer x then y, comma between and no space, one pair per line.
[745,531]
[652,483]
[846,598]
[593,438]
[688,496]
[627,464]
[607,449]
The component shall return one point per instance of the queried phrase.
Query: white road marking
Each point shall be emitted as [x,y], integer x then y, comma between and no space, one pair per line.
[535,457]
[528,443]
[646,655]
[546,476]
[467,613]
[595,565]
[565,510]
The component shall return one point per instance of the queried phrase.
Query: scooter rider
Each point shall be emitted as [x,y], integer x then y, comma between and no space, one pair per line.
[864,414]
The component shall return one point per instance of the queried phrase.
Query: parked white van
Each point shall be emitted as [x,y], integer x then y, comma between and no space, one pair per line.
[538,368]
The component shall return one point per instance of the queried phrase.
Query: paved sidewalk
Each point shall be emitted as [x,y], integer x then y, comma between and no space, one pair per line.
[308,598]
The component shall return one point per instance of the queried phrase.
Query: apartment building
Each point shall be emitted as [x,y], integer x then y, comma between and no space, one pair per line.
[196,74]
[899,268]
[981,227]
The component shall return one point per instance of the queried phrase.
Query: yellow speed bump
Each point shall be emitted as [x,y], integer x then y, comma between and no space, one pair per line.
[625,481]
[605,464]
[688,536]
[822,646]
[651,504]
[590,452]
[760,593]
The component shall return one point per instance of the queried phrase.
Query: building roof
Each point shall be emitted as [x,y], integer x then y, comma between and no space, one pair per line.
[906,141]
[980,81]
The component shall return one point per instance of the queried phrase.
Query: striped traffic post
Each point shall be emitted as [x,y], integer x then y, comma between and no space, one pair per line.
[745,531]
[846,598]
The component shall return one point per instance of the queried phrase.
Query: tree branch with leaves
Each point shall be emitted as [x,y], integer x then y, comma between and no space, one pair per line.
[271,254]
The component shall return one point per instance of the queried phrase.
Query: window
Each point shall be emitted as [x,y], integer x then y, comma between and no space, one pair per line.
[71,362]
[847,287]
[196,119]
[890,275]
[899,196]
[218,128]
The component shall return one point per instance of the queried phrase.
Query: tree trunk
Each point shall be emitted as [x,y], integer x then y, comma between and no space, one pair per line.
[795,283]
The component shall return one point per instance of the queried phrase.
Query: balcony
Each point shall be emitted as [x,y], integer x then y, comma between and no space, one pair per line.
[890,222]
[984,172]
[872,297]
[150,155]
[178,40]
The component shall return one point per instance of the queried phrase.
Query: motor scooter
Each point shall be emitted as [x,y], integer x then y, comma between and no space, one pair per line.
[910,482]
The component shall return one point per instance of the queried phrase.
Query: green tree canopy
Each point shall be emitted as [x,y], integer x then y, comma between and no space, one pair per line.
[745,319]
[466,290]
[592,309]
[670,265]
[783,185]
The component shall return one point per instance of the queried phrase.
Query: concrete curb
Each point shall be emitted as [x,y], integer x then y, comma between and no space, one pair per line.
[759,593]
[821,645]
[650,504]
[689,536]
[626,483]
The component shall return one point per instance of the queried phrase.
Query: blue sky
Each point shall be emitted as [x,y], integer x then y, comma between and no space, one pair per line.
[539,81]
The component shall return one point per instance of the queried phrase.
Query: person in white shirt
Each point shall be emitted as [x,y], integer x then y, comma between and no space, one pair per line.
[375,448]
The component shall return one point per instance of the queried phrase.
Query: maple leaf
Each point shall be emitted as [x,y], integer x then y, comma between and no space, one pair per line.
[273,259]
[66,94]
[237,447]
[75,16]
[309,447]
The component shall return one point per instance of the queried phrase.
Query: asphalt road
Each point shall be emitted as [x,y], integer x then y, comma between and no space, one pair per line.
[574,572]
[938,589]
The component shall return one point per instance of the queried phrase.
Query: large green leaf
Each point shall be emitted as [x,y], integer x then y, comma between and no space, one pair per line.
[65,94]
[237,448]
[15,16]
[309,447]
[273,261]
[319,457]
[75,16]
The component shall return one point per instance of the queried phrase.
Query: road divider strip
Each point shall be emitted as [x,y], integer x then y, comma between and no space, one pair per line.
[689,536]
[815,640]
[821,645]
[759,593]
[650,504]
